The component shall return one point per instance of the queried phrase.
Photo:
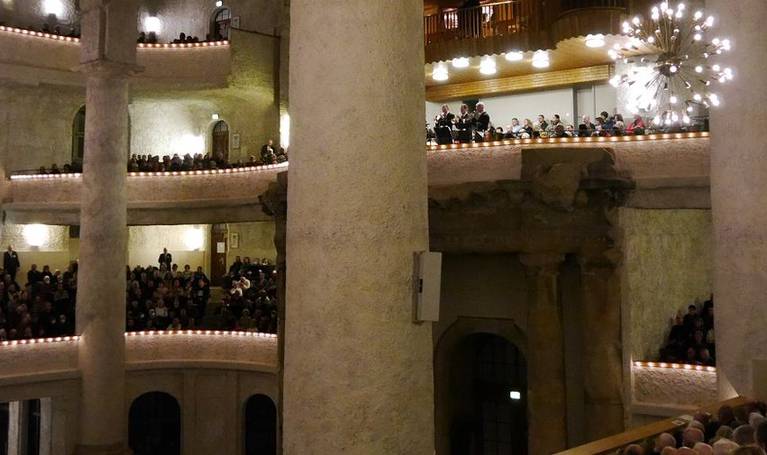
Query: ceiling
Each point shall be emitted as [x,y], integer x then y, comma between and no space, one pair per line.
[570,53]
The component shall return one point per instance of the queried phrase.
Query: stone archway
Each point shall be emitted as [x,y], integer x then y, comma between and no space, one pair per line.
[460,345]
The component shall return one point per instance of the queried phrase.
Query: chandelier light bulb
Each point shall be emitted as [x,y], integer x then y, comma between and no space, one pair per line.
[698,69]
[672,99]
[709,21]
[697,15]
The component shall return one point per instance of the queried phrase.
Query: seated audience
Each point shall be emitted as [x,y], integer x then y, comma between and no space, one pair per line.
[691,339]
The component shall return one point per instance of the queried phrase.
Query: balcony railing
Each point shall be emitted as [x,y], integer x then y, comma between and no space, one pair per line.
[577,4]
[492,19]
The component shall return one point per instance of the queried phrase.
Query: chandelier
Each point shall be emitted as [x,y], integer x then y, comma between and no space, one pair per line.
[680,74]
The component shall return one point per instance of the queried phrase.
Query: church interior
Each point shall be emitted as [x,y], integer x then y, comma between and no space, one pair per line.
[417,227]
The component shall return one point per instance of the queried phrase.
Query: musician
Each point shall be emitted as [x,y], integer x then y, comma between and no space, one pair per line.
[464,119]
[446,118]
[481,122]
[443,125]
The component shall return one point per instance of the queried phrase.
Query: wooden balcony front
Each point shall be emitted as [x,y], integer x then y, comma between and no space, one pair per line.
[494,28]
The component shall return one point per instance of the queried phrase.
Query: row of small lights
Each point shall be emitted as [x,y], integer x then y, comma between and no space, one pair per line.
[574,140]
[70,39]
[76,338]
[488,67]
[551,140]
[76,175]
[223,333]
[675,366]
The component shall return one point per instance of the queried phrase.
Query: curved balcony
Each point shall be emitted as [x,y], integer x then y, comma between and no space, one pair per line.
[581,18]
[670,171]
[230,195]
[54,59]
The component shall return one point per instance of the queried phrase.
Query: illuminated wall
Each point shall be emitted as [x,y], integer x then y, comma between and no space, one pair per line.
[667,266]
[189,244]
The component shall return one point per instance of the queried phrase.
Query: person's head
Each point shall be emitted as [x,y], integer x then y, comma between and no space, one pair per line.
[514,121]
[668,450]
[464,108]
[703,449]
[445,108]
[692,436]
[692,309]
[164,250]
[664,440]
[725,415]
[744,435]
[528,123]
[10,248]
[691,353]
[618,117]
[724,447]
[761,435]
[270,142]
[604,115]
[480,107]
[633,449]
[34,267]
[556,118]
[541,118]
[755,419]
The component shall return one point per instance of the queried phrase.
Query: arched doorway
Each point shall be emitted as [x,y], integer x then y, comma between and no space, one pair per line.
[260,426]
[78,137]
[155,425]
[487,397]
[220,24]
[220,142]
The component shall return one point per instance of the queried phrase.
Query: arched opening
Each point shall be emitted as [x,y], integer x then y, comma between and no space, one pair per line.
[487,397]
[78,137]
[155,425]
[220,24]
[220,142]
[260,426]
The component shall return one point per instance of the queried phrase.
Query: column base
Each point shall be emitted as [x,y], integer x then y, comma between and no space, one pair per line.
[111,449]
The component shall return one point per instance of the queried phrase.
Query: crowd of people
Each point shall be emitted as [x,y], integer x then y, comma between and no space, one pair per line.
[183,38]
[477,126]
[733,431]
[270,154]
[691,339]
[162,297]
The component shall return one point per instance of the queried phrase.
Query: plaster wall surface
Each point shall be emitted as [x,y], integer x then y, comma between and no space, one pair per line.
[145,243]
[256,241]
[667,265]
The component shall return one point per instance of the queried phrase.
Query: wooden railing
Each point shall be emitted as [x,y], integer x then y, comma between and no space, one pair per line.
[485,21]
[613,444]
[577,4]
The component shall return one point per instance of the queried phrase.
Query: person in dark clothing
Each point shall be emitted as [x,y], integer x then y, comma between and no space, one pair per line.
[165,258]
[267,153]
[481,121]
[11,262]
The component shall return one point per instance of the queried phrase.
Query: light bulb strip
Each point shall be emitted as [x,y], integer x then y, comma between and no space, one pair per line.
[147,333]
[675,366]
[74,40]
[238,170]
[218,333]
[573,140]
[67,339]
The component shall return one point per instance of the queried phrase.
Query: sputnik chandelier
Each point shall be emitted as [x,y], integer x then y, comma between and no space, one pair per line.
[682,76]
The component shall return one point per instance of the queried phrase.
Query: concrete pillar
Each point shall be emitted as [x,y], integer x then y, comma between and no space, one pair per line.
[738,192]
[546,400]
[108,57]
[358,371]
[602,353]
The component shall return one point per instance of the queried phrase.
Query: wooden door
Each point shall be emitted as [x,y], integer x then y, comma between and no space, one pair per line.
[218,246]
[220,140]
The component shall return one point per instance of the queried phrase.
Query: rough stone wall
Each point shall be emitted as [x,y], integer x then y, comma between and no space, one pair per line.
[481,286]
[666,386]
[667,265]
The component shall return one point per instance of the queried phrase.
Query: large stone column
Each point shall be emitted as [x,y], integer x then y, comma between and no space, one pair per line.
[358,371]
[546,400]
[602,354]
[738,195]
[107,56]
